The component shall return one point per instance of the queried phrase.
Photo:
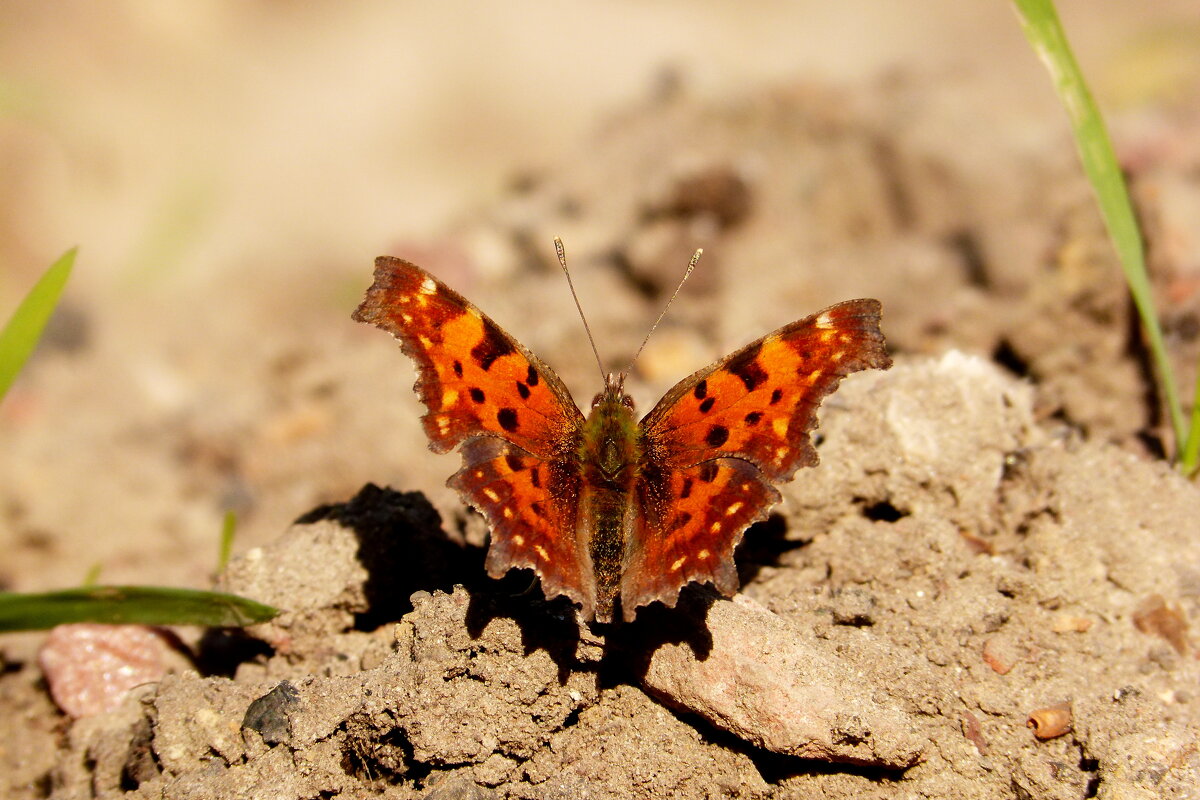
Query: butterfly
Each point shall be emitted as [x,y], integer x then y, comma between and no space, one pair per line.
[607,510]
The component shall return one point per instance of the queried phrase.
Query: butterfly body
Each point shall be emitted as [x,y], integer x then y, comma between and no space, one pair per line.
[607,510]
[610,457]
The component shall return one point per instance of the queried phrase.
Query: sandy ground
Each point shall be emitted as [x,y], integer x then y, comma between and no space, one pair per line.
[992,535]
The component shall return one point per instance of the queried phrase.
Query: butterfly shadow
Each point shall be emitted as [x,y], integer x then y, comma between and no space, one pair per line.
[403,547]
[763,545]
[631,645]
[548,625]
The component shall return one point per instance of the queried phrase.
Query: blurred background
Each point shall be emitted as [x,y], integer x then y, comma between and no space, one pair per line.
[230,169]
[190,142]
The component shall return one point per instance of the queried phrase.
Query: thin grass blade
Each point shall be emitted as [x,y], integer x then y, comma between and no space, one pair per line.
[1045,33]
[146,605]
[228,530]
[20,336]
[1190,463]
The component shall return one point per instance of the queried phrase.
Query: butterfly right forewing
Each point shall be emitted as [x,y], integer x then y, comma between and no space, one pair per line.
[760,402]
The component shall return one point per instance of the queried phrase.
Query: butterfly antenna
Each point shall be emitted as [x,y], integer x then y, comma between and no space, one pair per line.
[562,261]
[691,266]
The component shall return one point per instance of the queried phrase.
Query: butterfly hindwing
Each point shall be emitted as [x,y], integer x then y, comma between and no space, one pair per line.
[691,520]
[530,505]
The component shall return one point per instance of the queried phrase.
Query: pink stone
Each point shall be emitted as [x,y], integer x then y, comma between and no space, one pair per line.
[90,667]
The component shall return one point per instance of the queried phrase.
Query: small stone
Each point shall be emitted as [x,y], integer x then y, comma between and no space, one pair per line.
[1154,616]
[90,667]
[1067,623]
[1001,654]
[494,770]
[269,714]
[974,732]
[458,787]
[1051,722]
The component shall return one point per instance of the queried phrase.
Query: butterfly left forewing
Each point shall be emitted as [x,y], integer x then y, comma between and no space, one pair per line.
[716,443]
[472,376]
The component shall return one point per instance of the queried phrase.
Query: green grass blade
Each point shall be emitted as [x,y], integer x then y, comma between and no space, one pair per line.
[228,529]
[147,605]
[1191,448]
[92,576]
[1045,33]
[20,336]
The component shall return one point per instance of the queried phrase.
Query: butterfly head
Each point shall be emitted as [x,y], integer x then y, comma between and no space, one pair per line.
[614,392]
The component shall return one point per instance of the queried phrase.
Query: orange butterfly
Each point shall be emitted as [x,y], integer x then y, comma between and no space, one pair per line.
[604,508]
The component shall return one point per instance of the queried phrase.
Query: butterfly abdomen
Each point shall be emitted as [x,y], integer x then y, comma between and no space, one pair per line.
[605,525]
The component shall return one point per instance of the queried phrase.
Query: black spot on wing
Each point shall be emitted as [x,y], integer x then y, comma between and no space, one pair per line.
[458,368]
[745,365]
[522,390]
[706,404]
[686,491]
[701,390]
[514,462]
[477,394]
[681,519]
[753,417]
[507,417]
[776,396]
[708,471]
[717,435]
[493,345]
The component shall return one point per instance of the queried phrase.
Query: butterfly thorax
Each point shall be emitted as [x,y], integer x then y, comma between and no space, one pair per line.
[610,445]
[609,458]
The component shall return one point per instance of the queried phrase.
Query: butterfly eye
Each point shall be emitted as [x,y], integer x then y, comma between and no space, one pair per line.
[596,400]
[627,401]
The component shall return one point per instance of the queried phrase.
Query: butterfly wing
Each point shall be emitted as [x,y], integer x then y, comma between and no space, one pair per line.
[531,506]
[511,415]
[691,520]
[716,443]
[473,377]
